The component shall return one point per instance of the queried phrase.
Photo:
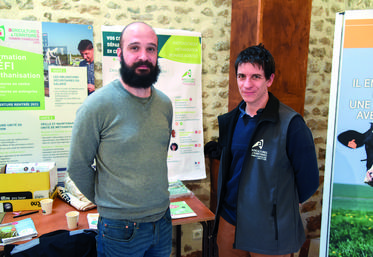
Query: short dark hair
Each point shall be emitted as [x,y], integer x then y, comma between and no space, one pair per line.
[257,55]
[85,44]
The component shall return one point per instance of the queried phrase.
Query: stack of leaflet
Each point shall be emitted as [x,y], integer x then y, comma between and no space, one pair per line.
[181,210]
[17,231]
[178,189]
[92,220]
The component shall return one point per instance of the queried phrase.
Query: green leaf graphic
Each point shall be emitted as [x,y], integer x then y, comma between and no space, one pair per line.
[184,49]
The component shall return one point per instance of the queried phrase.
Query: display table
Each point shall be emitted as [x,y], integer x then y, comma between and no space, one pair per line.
[204,216]
[57,221]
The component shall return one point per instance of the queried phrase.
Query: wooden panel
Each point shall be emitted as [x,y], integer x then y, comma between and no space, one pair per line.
[283,27]
[244,33]
[288,42]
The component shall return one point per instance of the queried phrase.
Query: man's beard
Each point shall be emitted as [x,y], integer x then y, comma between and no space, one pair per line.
[132,79]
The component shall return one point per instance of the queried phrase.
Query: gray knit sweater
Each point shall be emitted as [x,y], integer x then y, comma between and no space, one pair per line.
[128,137]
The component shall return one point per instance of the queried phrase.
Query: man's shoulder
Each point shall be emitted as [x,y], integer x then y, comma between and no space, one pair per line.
[287,114]
[161,95]
[286,108]
[83,63]
[230,114]
[107,91]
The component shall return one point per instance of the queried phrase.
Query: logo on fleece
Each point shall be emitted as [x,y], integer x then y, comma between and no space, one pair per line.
[257,152]
[259,144]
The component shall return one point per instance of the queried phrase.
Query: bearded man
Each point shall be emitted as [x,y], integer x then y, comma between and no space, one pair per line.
[125,127]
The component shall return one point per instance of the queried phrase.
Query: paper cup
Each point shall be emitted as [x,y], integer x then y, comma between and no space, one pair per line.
[72,218]
[46,206]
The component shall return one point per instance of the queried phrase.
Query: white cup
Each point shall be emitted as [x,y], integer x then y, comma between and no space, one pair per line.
[46,206]
[72,218]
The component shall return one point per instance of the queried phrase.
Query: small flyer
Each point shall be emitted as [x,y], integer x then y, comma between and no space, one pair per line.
[17,231]
[181,210]
[92,220]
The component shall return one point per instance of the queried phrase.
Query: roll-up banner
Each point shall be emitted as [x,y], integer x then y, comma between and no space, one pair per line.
[180,60]
[42,83]
[347,212]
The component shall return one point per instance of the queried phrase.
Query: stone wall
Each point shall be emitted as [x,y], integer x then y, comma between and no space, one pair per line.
[317,97]
[212,18]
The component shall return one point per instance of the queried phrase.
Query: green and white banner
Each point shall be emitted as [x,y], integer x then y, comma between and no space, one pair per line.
[21,66]
[41,87]
[180,60]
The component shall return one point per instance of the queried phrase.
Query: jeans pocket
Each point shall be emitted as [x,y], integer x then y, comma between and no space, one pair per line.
[121,231]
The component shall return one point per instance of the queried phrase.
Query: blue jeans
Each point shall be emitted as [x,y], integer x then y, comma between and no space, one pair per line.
[122,238]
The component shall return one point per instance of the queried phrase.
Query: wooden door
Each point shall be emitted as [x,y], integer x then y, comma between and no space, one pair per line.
[283,27]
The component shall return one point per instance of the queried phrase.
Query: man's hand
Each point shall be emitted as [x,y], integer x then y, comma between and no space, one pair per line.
[91,88]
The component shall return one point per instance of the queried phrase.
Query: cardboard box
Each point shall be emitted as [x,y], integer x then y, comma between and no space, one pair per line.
[23,191]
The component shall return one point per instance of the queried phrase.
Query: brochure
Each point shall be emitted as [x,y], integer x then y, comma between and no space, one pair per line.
[32,167]
[17,231]
[92,220]
[181,210]
[178,189]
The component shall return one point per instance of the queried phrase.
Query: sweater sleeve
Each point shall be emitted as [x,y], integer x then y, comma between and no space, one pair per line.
[301,152]
[83,148]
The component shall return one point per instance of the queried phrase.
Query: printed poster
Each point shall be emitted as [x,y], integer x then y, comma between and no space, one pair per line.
[41,87]
[347,215]
[180,60]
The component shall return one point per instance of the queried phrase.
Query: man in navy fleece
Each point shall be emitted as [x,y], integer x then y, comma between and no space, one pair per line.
[268,166]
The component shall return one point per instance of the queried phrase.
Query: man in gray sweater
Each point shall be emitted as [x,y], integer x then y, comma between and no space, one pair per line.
[126,127]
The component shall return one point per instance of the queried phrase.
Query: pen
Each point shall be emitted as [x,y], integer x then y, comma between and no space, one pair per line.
[24,214]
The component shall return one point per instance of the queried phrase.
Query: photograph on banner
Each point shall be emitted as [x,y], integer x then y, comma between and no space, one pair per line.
[180,61]
[68,45]
[42,85]
[350,215]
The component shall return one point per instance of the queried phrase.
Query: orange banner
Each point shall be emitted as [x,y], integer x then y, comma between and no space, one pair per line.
[358,33]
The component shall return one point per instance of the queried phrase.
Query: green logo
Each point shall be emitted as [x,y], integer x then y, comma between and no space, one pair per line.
[187,78]
[2,32]
[187,74]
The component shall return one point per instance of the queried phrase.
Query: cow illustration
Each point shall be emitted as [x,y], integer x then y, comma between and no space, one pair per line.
[354,139]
